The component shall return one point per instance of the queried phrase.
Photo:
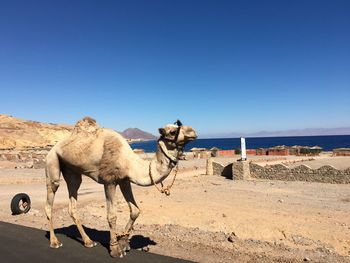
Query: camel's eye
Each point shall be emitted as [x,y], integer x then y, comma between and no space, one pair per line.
[172,133]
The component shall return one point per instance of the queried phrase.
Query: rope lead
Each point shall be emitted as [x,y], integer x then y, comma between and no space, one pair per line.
[162,189]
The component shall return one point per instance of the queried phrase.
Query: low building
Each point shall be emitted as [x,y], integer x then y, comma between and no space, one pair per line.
[201,153]
[278,150]
[341,152]
[310,151]
[251,152]
[139,151]
[226,152]
[294,150]
[283,150]
[261,151]
[215,152]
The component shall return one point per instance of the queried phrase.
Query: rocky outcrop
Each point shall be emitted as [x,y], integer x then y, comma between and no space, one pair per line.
[20,134]
[26,158]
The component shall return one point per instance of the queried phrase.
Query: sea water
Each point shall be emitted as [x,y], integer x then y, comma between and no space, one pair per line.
[328,143]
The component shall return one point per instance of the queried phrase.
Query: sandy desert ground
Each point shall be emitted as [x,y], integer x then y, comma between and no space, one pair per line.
[208,218]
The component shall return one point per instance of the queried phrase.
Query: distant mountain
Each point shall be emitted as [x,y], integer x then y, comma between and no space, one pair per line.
[135,133]
[295,132]
[304,132]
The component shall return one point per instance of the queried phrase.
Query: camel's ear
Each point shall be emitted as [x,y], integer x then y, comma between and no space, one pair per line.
[161,131]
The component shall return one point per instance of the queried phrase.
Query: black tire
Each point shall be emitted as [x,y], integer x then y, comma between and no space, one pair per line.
[20,204]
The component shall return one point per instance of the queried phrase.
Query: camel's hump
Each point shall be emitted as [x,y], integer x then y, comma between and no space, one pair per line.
[86,124]
[86,120]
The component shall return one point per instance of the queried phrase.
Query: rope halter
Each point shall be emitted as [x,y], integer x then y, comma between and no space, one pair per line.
[174,160]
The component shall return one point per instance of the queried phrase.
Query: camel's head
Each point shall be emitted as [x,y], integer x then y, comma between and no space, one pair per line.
[177,135]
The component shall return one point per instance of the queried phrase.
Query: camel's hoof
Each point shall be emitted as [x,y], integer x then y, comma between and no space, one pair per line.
[124,244]
[117,254]
[56,244]
[90,244]
[116,251]
[127,247]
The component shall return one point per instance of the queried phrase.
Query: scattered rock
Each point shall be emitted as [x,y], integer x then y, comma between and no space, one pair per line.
[232,237]
[307,259]
[34,212]
[300,240]
[283,233]
[145,249]
[280,200]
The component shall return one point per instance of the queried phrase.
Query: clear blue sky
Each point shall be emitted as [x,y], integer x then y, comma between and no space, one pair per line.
[219,66]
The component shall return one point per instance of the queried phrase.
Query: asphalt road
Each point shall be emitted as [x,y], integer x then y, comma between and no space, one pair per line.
[23,244]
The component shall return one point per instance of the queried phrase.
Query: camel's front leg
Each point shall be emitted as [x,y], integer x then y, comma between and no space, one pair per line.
[115,250]
[52,183]
[126,190]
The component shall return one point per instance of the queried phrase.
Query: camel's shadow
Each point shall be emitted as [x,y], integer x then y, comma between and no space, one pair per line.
[102,237]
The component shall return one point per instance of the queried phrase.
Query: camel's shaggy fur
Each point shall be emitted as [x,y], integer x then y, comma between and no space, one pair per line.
[106,157]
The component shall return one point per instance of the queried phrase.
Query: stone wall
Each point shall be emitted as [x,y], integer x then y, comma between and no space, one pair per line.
[324,174]
[341,152]
[240,170]
[216,168]
[247,170]
[235,171]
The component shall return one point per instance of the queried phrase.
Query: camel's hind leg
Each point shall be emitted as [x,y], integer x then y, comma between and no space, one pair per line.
[126,190]
[73,181]
[52,184]
[115,250]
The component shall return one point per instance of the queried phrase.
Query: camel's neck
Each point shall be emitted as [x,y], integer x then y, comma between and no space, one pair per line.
[159,167]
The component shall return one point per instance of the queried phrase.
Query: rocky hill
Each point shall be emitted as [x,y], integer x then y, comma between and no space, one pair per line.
[25,144]
[135,133]
[19,134]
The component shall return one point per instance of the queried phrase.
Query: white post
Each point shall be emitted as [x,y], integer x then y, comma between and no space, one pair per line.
[243,150]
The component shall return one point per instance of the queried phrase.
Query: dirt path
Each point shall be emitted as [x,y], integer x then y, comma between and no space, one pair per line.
[209,218]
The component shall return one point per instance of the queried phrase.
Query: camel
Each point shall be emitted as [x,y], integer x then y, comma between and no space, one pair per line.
[106,157]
